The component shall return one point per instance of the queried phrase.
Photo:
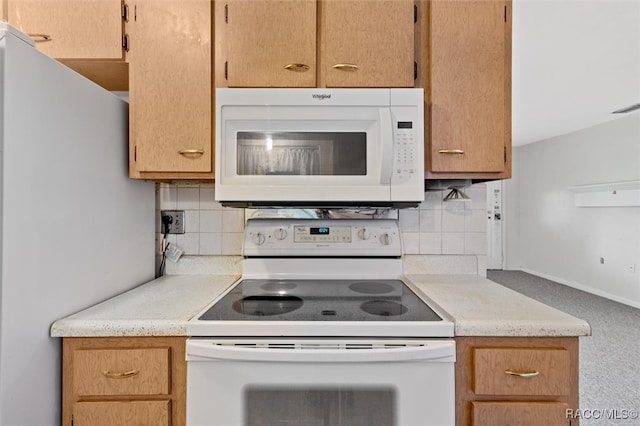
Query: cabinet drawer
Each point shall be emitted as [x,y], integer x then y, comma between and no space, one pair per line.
[121,371]
[505,371]
[520,413]
[139,413]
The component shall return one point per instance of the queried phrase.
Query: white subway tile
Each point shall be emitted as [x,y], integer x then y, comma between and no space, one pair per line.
[210,221]
[191,221]
[210,243]
[168,197]
[453,243]
[475,221]
[188,243]
[430,220]
[475,243]
[411,242]
[430,243]
[232,220]
[409,220]
[188,198]
[453,219]
[232,243]
[207,199]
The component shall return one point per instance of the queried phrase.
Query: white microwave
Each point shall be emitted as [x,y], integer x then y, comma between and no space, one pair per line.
[319,147]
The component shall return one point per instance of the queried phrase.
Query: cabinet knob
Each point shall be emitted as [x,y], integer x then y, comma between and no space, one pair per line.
[297,67]
[40,38]
[450,151]
[120,374]
[191,152]
[523,374]
[346,67]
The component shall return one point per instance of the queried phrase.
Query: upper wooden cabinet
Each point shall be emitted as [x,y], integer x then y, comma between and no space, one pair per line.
[85,35]
[268,43]
[170,90]
[469,89]
[367,43]
[309,43]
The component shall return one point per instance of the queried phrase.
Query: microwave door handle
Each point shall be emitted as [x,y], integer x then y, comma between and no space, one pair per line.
[387,146]
[436,351]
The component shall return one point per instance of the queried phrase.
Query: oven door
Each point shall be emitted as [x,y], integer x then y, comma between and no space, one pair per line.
[309,382]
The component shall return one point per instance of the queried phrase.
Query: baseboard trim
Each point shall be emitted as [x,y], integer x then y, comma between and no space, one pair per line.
[582,287]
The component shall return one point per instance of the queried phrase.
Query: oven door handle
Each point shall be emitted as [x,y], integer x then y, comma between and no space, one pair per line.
[433,351]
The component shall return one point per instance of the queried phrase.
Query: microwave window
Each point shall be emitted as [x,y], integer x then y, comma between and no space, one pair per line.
[302,153]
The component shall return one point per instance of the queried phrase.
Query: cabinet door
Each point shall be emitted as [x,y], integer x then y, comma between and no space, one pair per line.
[520,413]
[87,29]
[170,82]
[470,86]
[367,43]
[269,43]
[122,413]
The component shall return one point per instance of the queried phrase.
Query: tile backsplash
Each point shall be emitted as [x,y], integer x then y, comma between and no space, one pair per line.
[433,228]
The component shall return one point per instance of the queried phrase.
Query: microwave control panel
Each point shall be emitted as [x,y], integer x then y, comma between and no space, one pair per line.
[322,238]
[405,149]
[407,145]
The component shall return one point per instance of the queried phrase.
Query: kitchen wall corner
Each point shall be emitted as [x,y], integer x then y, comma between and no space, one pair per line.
[438,237]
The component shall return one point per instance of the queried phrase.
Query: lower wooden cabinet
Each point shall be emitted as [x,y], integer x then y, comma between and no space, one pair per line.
[120,381]
[139,413]
[516,381]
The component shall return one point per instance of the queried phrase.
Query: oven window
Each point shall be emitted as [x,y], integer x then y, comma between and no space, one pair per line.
[341,406]
[302,153]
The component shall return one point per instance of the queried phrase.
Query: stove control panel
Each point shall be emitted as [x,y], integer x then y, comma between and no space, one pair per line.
[322,238]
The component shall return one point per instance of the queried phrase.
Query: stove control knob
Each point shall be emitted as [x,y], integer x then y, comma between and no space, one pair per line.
[258,238]
[364,234]
[280,234]
[385,239]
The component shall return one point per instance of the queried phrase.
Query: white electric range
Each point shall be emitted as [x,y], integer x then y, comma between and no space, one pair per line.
[322,328]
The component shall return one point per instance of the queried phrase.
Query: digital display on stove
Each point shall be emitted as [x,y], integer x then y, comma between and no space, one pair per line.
[319,231]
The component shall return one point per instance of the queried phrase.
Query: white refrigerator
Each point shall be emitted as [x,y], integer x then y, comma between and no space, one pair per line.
[74,229]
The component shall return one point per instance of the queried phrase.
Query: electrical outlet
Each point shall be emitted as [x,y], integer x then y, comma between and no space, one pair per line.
[172,221]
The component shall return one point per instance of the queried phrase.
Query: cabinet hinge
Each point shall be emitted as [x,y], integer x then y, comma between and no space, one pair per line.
[226,13]
[125,12]
[226,70]
[415,70]
[125,42]
[415,13]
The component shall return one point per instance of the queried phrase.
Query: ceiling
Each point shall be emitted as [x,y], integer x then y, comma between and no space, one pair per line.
[574,62]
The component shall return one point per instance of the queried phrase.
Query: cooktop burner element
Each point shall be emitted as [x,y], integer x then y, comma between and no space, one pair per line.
[384,308]
[266,305]
[371,287]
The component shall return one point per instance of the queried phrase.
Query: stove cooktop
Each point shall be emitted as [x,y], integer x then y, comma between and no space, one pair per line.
[317,307]
[320,300]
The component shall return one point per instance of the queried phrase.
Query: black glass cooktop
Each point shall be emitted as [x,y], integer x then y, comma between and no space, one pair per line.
[320,300]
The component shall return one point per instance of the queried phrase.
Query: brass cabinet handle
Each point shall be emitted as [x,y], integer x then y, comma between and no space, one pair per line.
[524,375]
[297,67]
[450,151]
[191,152]
[346,67]
[40,38]
[120,374]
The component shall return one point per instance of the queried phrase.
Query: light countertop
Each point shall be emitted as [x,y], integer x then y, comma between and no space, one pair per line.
[163,307]
[480,307]
[160,307]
